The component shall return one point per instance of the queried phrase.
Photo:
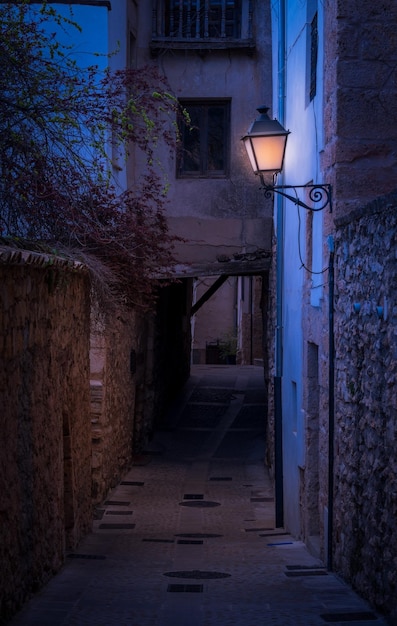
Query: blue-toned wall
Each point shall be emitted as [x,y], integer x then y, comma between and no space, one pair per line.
[304,256]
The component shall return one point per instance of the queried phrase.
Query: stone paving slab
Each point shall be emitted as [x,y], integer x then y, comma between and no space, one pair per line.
[197,565]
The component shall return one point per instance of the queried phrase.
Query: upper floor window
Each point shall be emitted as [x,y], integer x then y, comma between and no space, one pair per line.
[205,142]
[312,49]
[313,56]
[203,18]
[192,23]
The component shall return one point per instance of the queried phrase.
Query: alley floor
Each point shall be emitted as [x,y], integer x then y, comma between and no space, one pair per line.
[188,539]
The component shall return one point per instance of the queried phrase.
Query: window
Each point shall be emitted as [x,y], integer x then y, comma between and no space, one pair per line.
[202,18]
[312,49]
[313,56]
[205,143]
[202,25]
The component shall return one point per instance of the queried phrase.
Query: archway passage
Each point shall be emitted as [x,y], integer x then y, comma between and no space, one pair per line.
[221,296]
[229,319]
[201,316]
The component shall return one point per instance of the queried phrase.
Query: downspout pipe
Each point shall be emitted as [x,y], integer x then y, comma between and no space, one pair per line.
[331,403]
[278,413]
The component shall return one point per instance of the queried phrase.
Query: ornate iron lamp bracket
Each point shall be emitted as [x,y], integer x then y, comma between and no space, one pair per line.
[319,195]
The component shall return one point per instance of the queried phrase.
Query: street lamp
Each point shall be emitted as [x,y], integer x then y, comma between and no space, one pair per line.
[265,143]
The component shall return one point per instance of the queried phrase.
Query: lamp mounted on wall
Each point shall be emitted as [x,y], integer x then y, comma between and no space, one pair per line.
[265,143]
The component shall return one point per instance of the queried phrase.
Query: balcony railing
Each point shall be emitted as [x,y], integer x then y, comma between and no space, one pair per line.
[202,24]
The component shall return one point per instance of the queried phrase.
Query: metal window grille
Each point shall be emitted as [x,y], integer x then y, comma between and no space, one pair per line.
[202,19]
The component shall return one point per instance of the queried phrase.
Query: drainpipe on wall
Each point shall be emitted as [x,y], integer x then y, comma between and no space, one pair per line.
[331,403]
[278,414]
[251,320]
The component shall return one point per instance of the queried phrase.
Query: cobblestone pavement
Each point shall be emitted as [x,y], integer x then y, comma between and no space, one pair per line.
[187,538]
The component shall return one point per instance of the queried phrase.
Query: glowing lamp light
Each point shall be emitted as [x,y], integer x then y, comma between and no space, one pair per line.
[265,143]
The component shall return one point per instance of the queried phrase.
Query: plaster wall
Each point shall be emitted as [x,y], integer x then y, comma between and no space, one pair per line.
[232,75]
[302,245]
[122,35]
[217,317]
[216,218]
[252,314]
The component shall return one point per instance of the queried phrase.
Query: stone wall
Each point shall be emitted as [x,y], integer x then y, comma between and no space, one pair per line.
[45,449]
[366,402]
[360,100]
[139,362]
[118,393]
[63,448]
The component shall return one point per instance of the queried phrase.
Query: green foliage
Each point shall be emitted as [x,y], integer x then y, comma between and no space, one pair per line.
[228,344]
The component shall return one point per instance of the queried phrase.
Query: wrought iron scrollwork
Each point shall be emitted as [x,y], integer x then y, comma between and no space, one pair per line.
[320,195]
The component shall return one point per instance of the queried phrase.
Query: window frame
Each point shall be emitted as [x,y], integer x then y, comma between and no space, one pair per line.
[313,56]
[170,32]
[203,170]
[202,25]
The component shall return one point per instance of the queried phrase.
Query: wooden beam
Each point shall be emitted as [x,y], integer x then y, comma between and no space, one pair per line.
[210,291]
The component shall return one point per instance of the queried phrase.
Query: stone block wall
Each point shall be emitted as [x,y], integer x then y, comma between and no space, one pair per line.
[118,364]
[45,448]
[366,402]
[360,100]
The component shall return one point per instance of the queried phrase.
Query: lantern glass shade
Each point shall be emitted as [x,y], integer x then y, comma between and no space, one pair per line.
[265,144]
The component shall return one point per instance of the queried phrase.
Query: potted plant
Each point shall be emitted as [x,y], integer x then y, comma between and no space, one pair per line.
[228,347]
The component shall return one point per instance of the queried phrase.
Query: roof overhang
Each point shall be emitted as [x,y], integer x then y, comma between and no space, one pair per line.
[212,247]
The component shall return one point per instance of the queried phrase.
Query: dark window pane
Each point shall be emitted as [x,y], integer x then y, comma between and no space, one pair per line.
[205,145]
[194,19]
[313,57]
[216,138]
[191,142]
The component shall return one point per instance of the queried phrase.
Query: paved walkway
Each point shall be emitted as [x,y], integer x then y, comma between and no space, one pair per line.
[188,539]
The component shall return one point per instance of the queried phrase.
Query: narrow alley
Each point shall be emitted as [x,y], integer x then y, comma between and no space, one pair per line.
[188,539]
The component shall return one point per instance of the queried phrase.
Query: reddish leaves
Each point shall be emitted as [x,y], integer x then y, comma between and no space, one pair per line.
[58,124]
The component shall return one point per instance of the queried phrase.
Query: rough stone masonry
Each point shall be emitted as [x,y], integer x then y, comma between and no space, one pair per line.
[366,401]
[45,434]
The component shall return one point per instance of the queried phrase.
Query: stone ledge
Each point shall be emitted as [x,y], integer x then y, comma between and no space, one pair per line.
[16,256]
[375,206]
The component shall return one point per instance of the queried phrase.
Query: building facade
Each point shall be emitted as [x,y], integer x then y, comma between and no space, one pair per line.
[302,260]
[334,70]
[206,51]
